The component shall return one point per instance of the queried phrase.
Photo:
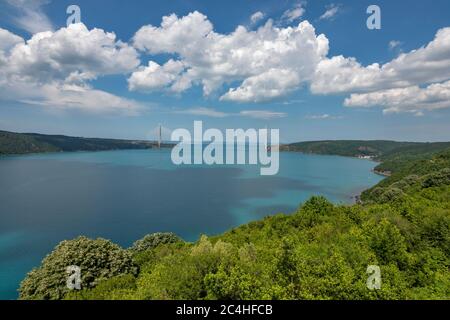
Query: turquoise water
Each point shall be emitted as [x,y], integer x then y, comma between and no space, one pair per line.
[123,195]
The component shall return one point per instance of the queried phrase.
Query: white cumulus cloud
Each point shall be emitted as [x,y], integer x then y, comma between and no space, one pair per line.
[412,99]
[49,55]
[154,76]
[54,68]
[427,64]
[265,86]
[8,40]
[268,62]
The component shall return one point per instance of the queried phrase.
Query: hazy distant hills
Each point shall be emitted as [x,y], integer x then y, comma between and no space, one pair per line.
[355,148]
[24,143]
[392,154]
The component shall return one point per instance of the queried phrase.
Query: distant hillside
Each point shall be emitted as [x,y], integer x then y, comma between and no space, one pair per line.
[406,171]
[350,148]
[399,158]
[394,155]
[24,143]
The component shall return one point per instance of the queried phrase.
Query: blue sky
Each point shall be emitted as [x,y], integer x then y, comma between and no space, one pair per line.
[309,94]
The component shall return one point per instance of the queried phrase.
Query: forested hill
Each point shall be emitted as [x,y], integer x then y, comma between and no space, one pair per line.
[393,155]
[24,143]
[378,149]
[349,148]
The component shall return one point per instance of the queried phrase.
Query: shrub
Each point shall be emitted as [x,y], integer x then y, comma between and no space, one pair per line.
[317,205]
[387,242]
[98,260]
[406,182]
[119,287]
[313,210]
[437,179]
[392,194]
[152,241]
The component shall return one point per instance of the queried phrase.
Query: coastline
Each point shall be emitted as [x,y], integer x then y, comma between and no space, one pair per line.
[386,174]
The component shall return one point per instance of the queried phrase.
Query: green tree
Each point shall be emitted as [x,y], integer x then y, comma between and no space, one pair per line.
[154,240]
[98,260]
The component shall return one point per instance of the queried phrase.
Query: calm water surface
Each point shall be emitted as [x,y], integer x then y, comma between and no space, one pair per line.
[124,195]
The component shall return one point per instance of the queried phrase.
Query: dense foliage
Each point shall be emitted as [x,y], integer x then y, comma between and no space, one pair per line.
[407,172]
[321,251]
[154,240]
[24,143]
[14,143]
[98,260]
